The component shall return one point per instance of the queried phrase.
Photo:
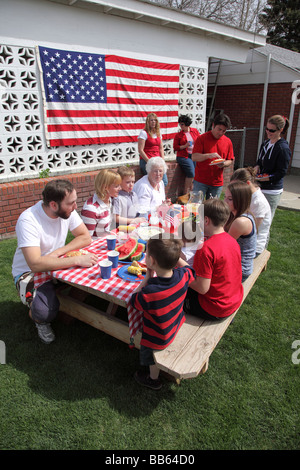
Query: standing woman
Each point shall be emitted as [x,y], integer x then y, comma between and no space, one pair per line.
[273,160]
[150,143]
[183,145]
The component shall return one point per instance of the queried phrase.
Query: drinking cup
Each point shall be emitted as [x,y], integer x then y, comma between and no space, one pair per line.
[113,256]
[105,268]
[111,242]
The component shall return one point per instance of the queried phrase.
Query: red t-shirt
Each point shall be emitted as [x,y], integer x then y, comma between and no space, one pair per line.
[220,260]
[206,143]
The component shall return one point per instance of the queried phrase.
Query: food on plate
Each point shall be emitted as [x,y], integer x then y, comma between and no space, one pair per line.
[127,249]
[126,228]
[264,175]
[216,161]
[147,232]
[76,253]
[136,269]
[138,252]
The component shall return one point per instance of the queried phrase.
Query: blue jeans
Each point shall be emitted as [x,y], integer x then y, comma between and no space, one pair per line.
[208,191]
[187,165]
[144,172]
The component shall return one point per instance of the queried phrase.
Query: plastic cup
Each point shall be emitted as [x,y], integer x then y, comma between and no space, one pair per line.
[111,242]
[113,256]
[105,268]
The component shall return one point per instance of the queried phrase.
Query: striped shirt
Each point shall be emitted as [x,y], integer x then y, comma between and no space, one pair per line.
[161,301]
[97,216]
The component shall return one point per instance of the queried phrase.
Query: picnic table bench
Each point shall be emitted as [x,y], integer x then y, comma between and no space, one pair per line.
[188,355]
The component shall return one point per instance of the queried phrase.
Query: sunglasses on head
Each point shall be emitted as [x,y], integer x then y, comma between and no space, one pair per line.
[271,130]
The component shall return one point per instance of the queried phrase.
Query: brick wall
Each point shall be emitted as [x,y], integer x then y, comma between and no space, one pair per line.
[242,103]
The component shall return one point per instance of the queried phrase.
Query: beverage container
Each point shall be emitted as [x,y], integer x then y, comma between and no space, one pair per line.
[111,242]
[113,256]
[105,268]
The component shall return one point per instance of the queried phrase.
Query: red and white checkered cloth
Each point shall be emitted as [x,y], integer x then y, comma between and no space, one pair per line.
[90,277]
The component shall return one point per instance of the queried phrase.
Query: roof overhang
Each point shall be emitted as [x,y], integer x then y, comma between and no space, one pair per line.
[147,12]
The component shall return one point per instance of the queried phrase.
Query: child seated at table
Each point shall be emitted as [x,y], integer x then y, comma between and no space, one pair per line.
[97,210]
[161,300]
[217,291]
[125,206]
[241,223]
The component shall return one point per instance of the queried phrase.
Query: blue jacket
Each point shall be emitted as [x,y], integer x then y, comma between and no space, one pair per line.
[275,163]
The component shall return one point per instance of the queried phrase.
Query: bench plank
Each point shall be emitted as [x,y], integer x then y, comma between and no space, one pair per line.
[188,355]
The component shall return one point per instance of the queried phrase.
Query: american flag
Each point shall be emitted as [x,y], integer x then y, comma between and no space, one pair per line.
[102,99]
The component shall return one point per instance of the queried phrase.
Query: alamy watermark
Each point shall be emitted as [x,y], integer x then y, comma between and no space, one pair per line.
[2,352]
[296,92]
[296,354]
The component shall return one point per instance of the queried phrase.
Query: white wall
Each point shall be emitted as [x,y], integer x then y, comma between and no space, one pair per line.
[47,22]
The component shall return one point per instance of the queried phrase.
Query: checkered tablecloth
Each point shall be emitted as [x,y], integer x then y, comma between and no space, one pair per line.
[115,287]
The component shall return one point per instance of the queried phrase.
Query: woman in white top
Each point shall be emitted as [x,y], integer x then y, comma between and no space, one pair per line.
[259,206]
[150,188]
[150,144]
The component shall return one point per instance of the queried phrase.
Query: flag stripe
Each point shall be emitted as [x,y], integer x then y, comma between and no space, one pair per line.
[92,98]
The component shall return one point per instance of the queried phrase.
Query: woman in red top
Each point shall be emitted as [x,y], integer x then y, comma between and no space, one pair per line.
[183,145]
[150,143]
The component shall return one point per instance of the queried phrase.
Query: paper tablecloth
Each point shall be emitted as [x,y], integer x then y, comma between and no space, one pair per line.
[90,277]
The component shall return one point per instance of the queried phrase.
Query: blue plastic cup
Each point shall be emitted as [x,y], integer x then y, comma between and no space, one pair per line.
[105,268]
[111,242]
[113,256]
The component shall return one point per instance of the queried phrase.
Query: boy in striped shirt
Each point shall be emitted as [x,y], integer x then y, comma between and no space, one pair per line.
[161,299]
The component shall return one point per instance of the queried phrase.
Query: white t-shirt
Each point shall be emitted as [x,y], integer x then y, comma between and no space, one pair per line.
[260,208]
[35,228]
[148,196]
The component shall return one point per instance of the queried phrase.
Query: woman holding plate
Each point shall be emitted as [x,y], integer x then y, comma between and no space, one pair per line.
[273,160]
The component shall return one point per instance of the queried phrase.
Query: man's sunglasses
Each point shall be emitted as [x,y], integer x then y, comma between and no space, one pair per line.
[271,130]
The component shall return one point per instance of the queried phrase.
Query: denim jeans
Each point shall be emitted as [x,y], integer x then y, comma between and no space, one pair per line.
[208,191]
[273,200]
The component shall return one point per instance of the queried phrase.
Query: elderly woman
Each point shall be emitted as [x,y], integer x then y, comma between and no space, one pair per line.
[150,188]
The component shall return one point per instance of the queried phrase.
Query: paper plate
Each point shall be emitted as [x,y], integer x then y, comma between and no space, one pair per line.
[124,274]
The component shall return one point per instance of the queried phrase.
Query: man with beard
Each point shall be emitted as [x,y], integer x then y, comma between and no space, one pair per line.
[41,232]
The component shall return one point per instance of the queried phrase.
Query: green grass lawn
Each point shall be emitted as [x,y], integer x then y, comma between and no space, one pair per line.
[79,392]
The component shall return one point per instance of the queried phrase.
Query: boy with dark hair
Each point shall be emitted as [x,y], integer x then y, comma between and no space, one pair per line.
[161,299]
[217,291]
[209,148]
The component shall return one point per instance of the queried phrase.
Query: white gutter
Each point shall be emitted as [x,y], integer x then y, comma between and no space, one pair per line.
[142,10]
[263,108]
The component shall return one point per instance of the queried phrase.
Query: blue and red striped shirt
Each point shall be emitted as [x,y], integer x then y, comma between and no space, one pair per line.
[161,301]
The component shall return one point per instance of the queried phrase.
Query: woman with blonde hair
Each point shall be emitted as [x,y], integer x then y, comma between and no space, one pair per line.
[241,223]
[273,160]
[150,143]
[97,211]
[259,206]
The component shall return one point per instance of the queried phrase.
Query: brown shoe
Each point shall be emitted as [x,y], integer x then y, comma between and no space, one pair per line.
[143,378]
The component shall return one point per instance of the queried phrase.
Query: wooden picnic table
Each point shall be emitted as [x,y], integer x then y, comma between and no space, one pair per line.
[115,290]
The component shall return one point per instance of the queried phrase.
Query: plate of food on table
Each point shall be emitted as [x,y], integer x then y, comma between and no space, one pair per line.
[133,272]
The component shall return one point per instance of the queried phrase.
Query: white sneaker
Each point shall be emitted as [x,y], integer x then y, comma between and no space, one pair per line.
[45,332]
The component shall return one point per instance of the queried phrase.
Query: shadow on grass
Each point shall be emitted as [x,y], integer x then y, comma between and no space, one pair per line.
[82,363]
